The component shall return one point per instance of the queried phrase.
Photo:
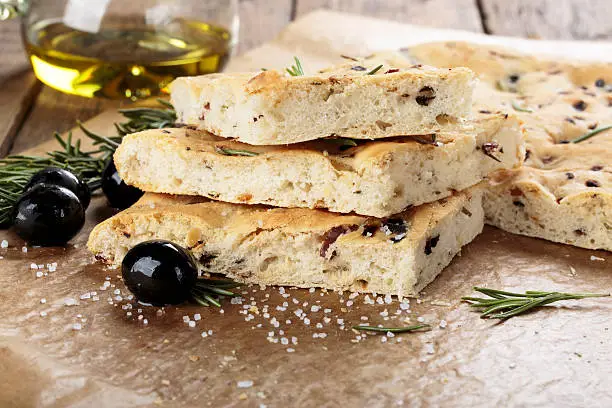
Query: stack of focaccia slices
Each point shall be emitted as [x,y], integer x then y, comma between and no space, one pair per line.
[366,176]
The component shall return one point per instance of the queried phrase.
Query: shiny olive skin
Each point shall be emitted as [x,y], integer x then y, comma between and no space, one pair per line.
[159,272]
[64,178]
[48,215]
[119,194]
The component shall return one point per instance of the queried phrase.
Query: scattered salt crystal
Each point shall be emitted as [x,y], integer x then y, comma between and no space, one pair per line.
[443,324]
[384,313]
[383,339]
[420,319]
[429,348]
[43,301]
[236,300]
[281,290]
[340,321]
[319,325]
[274,322]
[33,266]
[140,317]
[39,274]
[349,303]
[95,298]
[364,318]
[24,249]
[295,301]
[271,334]
[204,334]
[596,258]
[288,321]
[196,317]
[192,323]
[77,326]
[306,321]
[388,299]
[128,314]
[390,334]
[43,313]
[116,292]
[326,320]
[404,306]
[353,295]
[290,350]
[327,310]
[315,308]
[380,300]
[145,321]
[294,340]
[245,384]
[186,319]
[311,290]
[284,341]
[4,244]
[221,311]
[85,296]
[69,302]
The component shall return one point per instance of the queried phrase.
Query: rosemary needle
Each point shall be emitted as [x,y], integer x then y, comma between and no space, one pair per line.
[296,70]
[234,152]
[519,108]
[591,134]
[375,70]
[503,305]
[404,329]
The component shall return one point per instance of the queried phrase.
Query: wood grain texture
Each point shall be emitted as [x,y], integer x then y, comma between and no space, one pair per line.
[261,21]
[549,19]
[17,83]
[56,111]
[461,14]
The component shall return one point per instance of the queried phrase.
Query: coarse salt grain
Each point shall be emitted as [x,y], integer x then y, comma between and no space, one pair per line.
[70,302]
[192,323]
[596,258]
[244,384]
[420,319]
[43,301]
[306,321]
[145,321]
[197,317]
[284,341]
[349,303]
[4,244]
[315,308]
[186,319]
[77,326]
[290,350]
[33,266]
[43,313]
[443,324]
[388,299]
[24,249]
[39,274]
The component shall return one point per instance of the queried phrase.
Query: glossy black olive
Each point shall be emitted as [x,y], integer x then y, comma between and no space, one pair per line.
[159,272]
[48,215]
[119,194]
[64,178]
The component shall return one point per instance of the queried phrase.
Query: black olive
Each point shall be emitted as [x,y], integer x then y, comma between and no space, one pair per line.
[119,194]
[48,215]
[64,178]
[159,272]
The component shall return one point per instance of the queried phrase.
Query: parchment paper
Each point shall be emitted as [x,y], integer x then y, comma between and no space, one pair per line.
[59,346]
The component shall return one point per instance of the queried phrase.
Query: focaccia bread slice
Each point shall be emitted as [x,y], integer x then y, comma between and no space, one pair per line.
[564,192]
[399,255]
[354,100]
[376,178]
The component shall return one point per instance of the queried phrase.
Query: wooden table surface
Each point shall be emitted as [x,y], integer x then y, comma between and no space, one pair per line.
[30,112]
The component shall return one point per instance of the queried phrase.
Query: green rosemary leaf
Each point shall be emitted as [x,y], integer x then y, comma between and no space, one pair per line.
[519,108]
[591,134]
[343,142]
[296,70]
[504,305]
[375,70]
[404,329]
[234,152]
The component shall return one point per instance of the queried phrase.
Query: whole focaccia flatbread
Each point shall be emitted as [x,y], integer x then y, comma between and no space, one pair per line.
[563,193]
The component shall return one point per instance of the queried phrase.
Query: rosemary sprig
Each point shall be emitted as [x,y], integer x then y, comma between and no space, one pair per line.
[504,305]
[296,70]
[234,152]
[208,292]
[404,329]
[16,170]
[519,108]
[375,70]
[591,134]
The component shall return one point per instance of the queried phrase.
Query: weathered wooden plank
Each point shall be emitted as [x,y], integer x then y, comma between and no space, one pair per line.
[261,21]
[462,14]
[18,84]
[549,19]
[56,111]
